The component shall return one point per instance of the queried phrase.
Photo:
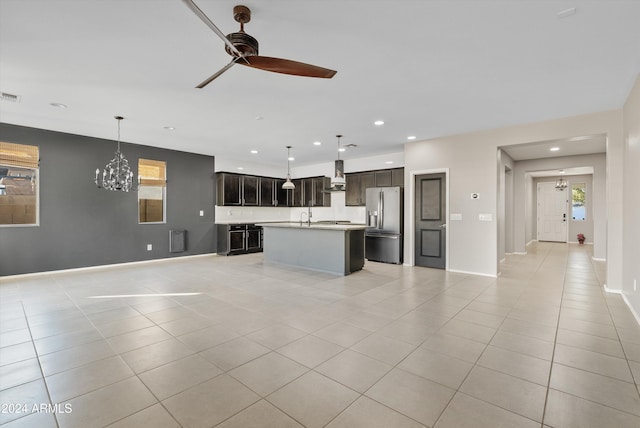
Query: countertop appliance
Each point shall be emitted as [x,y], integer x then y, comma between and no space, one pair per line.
[383,236]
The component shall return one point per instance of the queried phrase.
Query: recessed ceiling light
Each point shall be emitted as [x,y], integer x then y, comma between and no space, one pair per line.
[389,162]
[378,122]
[411,137]
[169,128]
[317,143]
[254,152]
[291,158]
[554,149]
[240,168]
[342,149]
[59,105]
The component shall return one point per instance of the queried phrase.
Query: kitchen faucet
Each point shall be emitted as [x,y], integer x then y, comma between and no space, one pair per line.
[309,215]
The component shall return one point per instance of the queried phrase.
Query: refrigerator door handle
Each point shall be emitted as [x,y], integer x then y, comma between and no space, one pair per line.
[381,223]
[383,236]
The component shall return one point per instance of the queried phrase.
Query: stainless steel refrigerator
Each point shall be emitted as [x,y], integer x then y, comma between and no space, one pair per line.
[383,237]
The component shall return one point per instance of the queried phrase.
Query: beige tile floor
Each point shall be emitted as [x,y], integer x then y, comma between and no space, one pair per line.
[269,346]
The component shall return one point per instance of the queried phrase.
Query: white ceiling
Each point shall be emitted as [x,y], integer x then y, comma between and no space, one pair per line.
[578,145]
[427,68]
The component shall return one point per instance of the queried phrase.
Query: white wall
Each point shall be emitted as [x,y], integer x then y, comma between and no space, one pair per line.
[471,159]
[351,165]
[248,167]
[505,204]
[631,197]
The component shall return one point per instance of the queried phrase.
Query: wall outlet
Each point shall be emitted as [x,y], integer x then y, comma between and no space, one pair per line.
[201,213]
[149,247]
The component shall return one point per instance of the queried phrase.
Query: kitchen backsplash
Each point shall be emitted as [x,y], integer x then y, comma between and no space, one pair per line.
[337,211]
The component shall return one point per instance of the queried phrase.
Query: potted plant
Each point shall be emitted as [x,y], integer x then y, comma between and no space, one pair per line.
[581,238]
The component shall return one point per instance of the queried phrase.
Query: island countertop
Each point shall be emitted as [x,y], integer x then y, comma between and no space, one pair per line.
[315,226]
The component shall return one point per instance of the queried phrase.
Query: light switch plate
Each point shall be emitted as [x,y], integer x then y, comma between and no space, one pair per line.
[485,217]
[201,213]
[456,216]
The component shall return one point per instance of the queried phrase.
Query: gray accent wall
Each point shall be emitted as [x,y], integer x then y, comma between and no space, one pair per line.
[81,225]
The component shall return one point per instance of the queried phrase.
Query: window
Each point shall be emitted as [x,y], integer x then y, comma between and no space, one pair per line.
[578,208]
[152,179]
[18,184]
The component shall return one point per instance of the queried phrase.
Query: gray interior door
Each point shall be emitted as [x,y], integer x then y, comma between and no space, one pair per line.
[431,225]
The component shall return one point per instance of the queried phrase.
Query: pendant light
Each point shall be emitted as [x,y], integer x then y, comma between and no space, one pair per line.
[116,174]
[288,185]
[561,183]
[338,182]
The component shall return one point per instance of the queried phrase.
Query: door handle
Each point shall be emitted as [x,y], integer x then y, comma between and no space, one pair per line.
[381,226]
[443,226]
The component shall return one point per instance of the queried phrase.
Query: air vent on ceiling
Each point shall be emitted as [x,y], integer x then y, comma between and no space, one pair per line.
[4,96]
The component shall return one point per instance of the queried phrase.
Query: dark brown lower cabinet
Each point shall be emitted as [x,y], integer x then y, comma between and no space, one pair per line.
[239,239]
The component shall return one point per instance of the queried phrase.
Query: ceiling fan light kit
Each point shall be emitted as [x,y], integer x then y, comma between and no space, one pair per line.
[244,50]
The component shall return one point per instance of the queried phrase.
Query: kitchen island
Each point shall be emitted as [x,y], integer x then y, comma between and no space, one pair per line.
[334,248]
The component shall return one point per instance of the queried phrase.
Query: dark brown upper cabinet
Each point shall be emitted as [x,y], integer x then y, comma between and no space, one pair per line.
[281,194]
[383,178]
[229,189]
[248,190]
[267,195]
[397,177]
[357,183]
[251,191]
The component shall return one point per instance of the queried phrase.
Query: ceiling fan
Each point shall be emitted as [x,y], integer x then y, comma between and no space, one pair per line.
[244,50]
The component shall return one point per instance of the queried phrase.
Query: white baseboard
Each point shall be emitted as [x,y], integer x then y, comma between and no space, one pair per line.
[633,312]
[102,267]
[612,290]
[520,254]
[472,273]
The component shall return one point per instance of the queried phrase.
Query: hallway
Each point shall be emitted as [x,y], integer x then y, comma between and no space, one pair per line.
[232,342]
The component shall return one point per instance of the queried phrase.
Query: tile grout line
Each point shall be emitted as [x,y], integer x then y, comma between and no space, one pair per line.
[555,339]
[33,344]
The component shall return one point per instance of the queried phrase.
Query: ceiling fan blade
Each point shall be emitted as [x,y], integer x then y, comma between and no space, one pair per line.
[191,5]
[218,73]
[286,66]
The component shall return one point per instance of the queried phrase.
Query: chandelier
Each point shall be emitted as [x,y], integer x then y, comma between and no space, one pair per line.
[561,183]
[288,185]
[338,182]
[116,174]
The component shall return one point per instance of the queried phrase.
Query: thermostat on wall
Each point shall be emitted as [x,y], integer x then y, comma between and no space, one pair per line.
[475,196]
